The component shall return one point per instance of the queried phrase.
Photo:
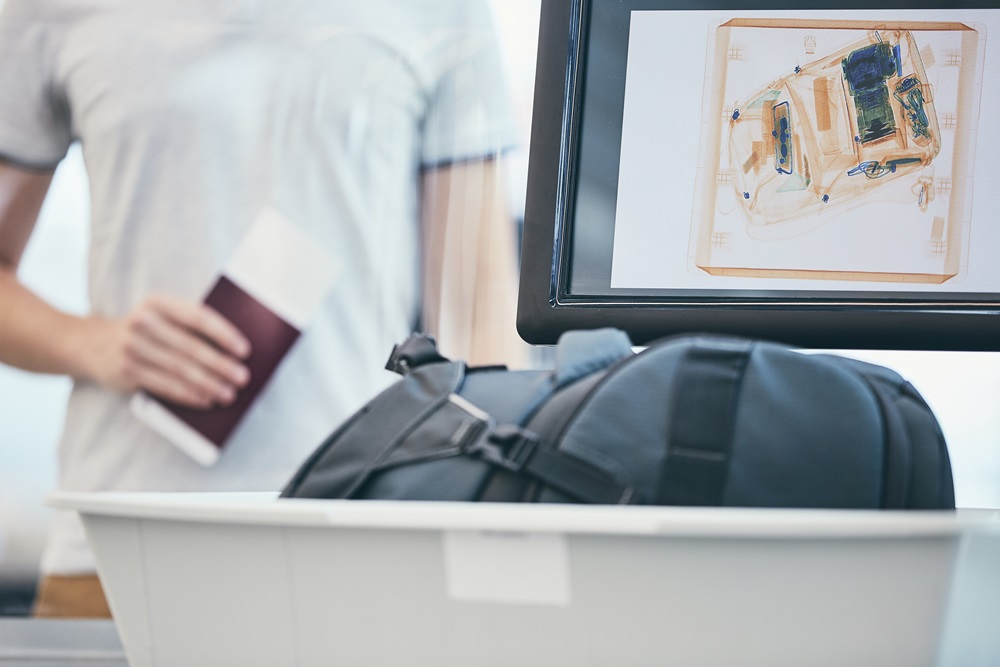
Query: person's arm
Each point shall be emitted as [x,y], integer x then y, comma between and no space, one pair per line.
[180,351]
[470,260]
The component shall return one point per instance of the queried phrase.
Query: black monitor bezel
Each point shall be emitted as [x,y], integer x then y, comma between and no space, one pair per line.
[546,308]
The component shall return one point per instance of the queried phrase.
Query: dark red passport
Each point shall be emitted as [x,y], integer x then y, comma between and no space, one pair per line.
[202,431]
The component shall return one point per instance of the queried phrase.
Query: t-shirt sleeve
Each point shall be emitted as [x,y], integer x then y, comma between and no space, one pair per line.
[34,118]
[469,114]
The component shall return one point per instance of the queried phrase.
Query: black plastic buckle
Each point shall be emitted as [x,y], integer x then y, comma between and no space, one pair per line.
[508,447]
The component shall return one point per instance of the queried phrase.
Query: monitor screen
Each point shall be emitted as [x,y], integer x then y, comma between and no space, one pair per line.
[823,177]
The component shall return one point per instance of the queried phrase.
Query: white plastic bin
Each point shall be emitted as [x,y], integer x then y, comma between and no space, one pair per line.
[248,579]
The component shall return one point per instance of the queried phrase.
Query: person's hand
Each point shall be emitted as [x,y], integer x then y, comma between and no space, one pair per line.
[180,351]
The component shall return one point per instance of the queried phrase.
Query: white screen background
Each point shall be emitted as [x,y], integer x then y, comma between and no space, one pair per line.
[661,140]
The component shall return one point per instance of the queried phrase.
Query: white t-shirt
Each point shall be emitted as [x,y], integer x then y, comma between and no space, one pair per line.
[193,115]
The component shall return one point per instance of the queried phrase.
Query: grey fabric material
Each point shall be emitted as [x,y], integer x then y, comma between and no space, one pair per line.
[522,393]
[35,126]
[371,435]
[807,434]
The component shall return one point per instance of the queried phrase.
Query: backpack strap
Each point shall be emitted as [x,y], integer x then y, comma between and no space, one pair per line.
[708,383]
[360,446]
[455,427]
[518,450]
[898,462]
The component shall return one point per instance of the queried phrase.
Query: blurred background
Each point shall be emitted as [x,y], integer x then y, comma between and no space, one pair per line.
[962,388]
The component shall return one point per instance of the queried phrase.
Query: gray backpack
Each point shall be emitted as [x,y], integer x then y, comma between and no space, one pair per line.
[692,420]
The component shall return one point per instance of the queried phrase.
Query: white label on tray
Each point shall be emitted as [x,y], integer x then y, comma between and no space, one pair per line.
[507,567]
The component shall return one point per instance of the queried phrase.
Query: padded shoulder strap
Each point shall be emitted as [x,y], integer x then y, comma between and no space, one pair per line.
[459,428]
[518,450]
[706,393]
[580,353]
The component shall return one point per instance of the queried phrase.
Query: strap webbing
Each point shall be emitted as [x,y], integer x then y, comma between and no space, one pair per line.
[518,450]
[576,478]
[701,431]
[897,461]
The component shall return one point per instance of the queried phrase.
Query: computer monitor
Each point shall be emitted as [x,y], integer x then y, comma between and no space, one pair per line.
[826,177]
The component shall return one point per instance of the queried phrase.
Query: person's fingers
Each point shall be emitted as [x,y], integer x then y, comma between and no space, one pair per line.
[203,320]
[183,353]
[171,388]
[185,346]
[149,359]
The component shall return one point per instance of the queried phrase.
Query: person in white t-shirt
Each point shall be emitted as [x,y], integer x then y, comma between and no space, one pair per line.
[374,126]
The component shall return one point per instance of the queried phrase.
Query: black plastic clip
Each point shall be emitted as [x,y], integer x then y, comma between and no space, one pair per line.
[520,451]
[418,349]
[508,447]
[505,446]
